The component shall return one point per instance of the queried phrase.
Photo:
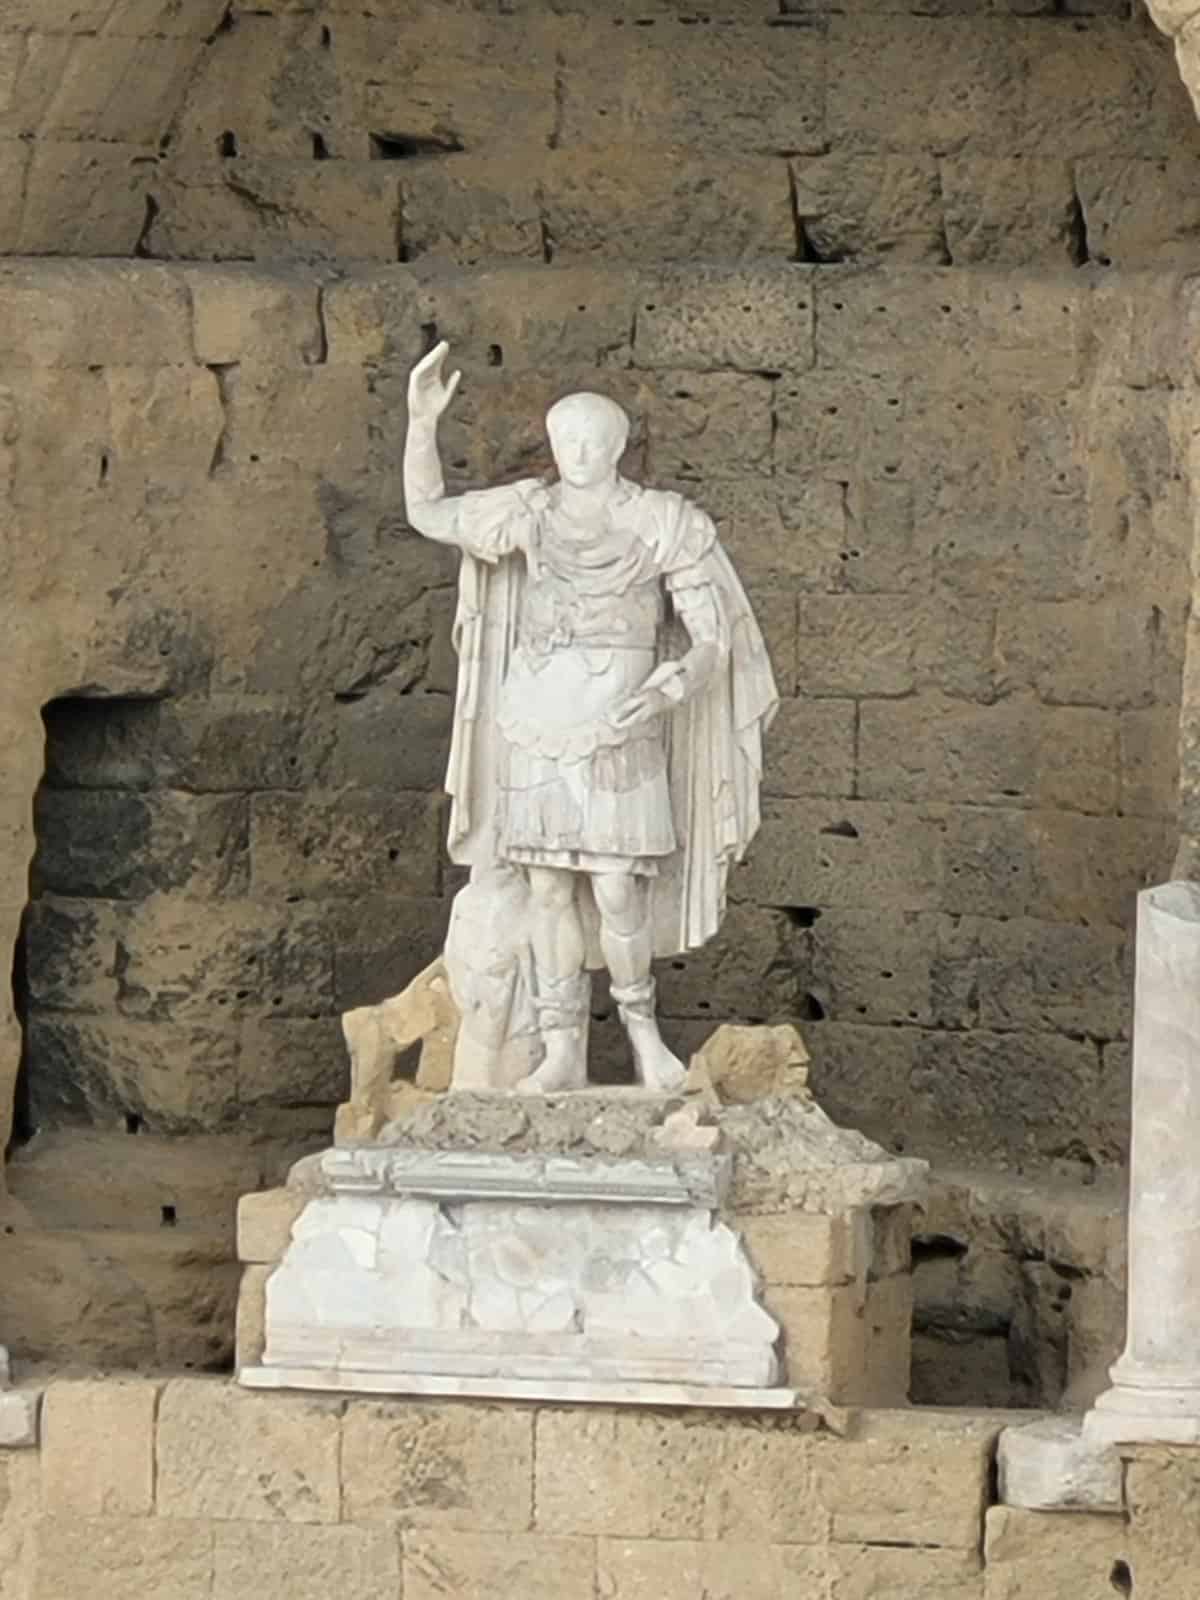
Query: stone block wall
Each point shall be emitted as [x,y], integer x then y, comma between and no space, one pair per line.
[475,130]
[957,500]
[194,1489]
[901,298]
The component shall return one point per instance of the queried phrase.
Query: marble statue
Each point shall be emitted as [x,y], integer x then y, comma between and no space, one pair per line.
[613,693]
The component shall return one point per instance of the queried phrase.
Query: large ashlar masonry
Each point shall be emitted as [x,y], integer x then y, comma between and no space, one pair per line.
[907,302]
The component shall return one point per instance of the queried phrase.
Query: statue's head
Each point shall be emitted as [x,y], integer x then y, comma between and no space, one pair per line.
[588,434]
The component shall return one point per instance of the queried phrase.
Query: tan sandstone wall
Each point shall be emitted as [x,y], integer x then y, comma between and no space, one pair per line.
[195,1490]
[899,297]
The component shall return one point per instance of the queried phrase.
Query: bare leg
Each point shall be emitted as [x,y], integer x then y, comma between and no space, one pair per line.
[563,987]
[625,938]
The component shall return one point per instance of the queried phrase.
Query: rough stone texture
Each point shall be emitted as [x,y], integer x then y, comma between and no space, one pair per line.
[1019,1289]
[225,1453]
[426,1465]
[1050,1466]
[121,1482]
[1030,1551]
[435,1499]
[972,772]
[956,501]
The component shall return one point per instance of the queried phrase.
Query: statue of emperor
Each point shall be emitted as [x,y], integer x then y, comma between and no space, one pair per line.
[606,759]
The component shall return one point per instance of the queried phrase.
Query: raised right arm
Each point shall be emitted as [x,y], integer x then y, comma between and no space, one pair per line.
[427,506]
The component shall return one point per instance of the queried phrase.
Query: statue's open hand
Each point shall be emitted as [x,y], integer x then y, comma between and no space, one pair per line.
[429,391]
[641,707]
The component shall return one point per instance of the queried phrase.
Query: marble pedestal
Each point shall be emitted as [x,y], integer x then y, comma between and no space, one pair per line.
[489,1265]
[592,1246]
[1156,1383]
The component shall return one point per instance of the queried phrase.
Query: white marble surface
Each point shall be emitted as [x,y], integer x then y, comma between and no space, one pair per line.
[508,1290]
[1048,1465]
[611,668]
[1156,1383]
[690,1179]
[551,1390]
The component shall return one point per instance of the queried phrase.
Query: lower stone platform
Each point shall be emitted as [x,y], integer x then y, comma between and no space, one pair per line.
[611,1241]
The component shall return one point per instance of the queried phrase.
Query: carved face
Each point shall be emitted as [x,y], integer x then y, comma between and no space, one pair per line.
[587,435]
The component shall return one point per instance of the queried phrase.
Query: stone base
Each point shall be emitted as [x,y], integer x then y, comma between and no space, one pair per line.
[714,1397]
[488,1265]
[1049,1465]
[1144,1416]
[609,1241]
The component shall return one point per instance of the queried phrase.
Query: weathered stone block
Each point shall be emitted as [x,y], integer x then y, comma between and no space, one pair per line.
[278,210]
[1013,752]
[1149,762]
[20,1499]
[117,845]
[171,1078]
[457,78]
[652,1476]
[751,968]
[811,749]
[1025,1548]
[81,198]
[531,319]
[824,1338]
[291,1061]
[264,1223]
[1054,649]
[295,1562]
[1140,212]
[710,424]
[1001,1089]
[665,204]
[264,317]
[80,314]
[114,1299]
[389,740]
[445,1466]
[912,1477]
[140,1558]
[470,212]
[848,853]
[783,529]
[746,319]
[358,842]
[250,1331]
[490,1566]
[729,88]
[871,1573]
[120,89]
[867,645]
[381,943]
[924,85]
[677,1569]
[228,1454]
[98,1448]
[869,208]
[800,1248]
[1016,212]
[1103,92]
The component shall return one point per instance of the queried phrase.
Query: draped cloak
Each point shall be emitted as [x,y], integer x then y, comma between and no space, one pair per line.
[714,738]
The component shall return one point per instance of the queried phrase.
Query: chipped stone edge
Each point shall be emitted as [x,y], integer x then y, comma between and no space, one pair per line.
[20,1415]
[551,1391]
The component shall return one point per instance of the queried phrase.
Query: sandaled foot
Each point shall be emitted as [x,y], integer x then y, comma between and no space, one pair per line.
[655,1067]
[563,1069]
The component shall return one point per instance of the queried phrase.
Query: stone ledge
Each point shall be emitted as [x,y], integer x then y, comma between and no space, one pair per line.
[20,1411]
[549,1391]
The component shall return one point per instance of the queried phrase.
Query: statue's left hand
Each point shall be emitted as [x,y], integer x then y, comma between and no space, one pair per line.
[641,707]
